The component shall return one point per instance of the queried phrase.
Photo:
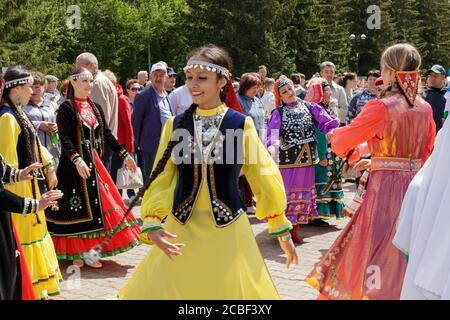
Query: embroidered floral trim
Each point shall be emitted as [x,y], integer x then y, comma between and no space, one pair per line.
[329,287]
[398,164]
[75,203]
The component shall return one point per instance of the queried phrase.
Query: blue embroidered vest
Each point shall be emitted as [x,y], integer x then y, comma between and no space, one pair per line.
[222,178]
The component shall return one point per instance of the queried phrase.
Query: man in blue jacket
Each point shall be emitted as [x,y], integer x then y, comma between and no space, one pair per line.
[146,118]
[435,94]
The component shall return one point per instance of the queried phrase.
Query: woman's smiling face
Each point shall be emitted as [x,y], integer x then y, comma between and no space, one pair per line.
[204,86]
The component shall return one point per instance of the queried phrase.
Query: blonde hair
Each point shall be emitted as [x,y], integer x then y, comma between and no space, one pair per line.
[111,76]
[399,57]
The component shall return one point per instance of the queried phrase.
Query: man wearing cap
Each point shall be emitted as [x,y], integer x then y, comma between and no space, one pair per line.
[146,118]
[51,92]
[435,94]
[170,81]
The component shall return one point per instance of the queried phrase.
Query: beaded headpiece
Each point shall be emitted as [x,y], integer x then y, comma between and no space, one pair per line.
[84,74]
[283,82]
[18,82]
[193,64]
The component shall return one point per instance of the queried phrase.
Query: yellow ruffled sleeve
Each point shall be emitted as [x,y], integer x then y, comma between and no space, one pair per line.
[158,199]
[265,181]
[9,130]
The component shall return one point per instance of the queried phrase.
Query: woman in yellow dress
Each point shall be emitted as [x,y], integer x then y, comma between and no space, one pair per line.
[196,192]
[20,148]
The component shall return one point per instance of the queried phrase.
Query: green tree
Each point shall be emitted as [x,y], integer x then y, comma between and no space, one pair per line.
[254,32]
[434,15]
[166,37]
[30,35]
[285,35]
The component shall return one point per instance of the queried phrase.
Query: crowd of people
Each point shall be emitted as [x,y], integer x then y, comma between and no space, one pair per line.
[300,141]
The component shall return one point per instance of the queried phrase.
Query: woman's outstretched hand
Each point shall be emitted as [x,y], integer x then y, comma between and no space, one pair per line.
[49,198]
[362,165]
[170,249]
[26,173]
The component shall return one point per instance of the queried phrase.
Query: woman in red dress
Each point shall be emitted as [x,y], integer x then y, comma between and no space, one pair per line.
[92,206]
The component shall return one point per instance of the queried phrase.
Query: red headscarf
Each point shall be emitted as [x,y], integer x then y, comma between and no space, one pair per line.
[276,89]
[315,91]
[408,82]
[231,99]
[276,92]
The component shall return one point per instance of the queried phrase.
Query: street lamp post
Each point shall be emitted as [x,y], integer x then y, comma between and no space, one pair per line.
[356,41]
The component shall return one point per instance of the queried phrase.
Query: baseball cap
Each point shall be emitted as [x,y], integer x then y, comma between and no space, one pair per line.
[159,66]
[170,71]
[438,69]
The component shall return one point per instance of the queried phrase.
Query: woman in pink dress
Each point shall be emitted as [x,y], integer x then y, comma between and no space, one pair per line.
[363,263]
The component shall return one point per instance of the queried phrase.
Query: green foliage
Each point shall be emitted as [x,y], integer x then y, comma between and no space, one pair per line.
[285,35]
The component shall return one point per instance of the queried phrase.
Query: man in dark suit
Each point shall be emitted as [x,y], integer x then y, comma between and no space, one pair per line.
[146,118]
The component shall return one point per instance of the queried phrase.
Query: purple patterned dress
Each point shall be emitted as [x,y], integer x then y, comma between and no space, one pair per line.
[291,132]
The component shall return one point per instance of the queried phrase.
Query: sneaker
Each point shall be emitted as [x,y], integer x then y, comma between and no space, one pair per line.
[94,265]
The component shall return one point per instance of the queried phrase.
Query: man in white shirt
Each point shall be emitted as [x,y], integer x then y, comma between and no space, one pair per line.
[327,71]
[268,99]
[175,103]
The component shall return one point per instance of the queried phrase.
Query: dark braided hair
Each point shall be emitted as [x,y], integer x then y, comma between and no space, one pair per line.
[165,157]
[26,126]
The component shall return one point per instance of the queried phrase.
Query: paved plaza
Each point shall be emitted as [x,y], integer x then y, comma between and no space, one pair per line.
[105,283]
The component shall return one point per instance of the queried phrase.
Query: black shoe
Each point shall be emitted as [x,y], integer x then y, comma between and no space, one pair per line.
[319,223]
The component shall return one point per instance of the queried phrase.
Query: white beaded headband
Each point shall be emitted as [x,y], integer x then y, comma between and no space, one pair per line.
[193,64]
[11,83]
[84,74]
